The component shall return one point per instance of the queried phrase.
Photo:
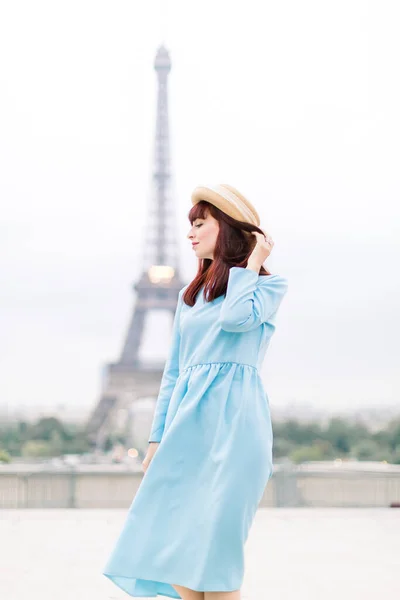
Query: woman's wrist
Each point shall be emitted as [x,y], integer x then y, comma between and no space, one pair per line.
[252,266]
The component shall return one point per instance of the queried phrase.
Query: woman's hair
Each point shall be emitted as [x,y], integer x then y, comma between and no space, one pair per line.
[232,249]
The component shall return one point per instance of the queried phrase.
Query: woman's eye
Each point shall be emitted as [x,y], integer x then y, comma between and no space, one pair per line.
[199,225]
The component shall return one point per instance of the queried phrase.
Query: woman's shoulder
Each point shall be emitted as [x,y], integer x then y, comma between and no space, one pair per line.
[182,290]
[274,280]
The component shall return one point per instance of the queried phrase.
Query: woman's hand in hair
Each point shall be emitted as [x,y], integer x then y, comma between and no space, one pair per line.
[151,450]
[261,250]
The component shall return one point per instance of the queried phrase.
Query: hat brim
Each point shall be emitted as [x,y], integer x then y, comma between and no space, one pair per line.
[213,197]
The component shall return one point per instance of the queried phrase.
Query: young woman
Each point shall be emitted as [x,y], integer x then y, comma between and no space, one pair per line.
[210,447]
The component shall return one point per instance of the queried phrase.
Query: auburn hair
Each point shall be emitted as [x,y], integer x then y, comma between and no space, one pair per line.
[233,247]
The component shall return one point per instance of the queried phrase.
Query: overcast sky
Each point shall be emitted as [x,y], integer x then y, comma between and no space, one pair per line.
[295,103]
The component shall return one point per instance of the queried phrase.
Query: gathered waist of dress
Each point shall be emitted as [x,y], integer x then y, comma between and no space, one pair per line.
[219,362]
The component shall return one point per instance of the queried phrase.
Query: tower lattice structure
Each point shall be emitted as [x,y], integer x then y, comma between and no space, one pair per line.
[131,378]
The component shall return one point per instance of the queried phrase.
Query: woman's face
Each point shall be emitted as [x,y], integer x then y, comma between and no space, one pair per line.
[203,234]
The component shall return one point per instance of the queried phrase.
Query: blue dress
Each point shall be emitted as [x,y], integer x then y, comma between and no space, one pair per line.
[190,518]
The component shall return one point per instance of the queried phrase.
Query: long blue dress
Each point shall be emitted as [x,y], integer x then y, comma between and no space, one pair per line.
[190,518]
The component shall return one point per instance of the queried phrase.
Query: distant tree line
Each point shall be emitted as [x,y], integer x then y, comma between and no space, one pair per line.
[44,438]
[298,441]
[339,438]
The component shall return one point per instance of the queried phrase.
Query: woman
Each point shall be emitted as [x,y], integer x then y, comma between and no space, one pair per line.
[210,447]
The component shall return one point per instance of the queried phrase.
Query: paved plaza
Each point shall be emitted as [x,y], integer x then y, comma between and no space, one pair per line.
[291,554]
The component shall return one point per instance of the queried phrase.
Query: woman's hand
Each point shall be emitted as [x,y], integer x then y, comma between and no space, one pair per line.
[261,251]
[151,450]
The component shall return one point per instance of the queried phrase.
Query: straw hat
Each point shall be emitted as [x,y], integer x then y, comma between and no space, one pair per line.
[229,200]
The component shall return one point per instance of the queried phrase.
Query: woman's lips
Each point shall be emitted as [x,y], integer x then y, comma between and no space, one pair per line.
[193,245]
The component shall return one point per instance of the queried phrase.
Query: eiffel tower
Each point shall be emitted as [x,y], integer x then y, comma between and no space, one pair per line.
[130,379]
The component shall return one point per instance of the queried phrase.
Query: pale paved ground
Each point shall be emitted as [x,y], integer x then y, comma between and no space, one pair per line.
[296,554]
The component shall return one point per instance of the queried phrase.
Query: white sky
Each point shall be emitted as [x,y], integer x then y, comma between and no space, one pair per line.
[294,103]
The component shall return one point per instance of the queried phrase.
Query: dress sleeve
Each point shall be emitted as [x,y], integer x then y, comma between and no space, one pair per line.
[250,300]
[169,377]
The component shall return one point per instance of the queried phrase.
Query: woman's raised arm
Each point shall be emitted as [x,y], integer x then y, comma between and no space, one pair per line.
[250,300]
